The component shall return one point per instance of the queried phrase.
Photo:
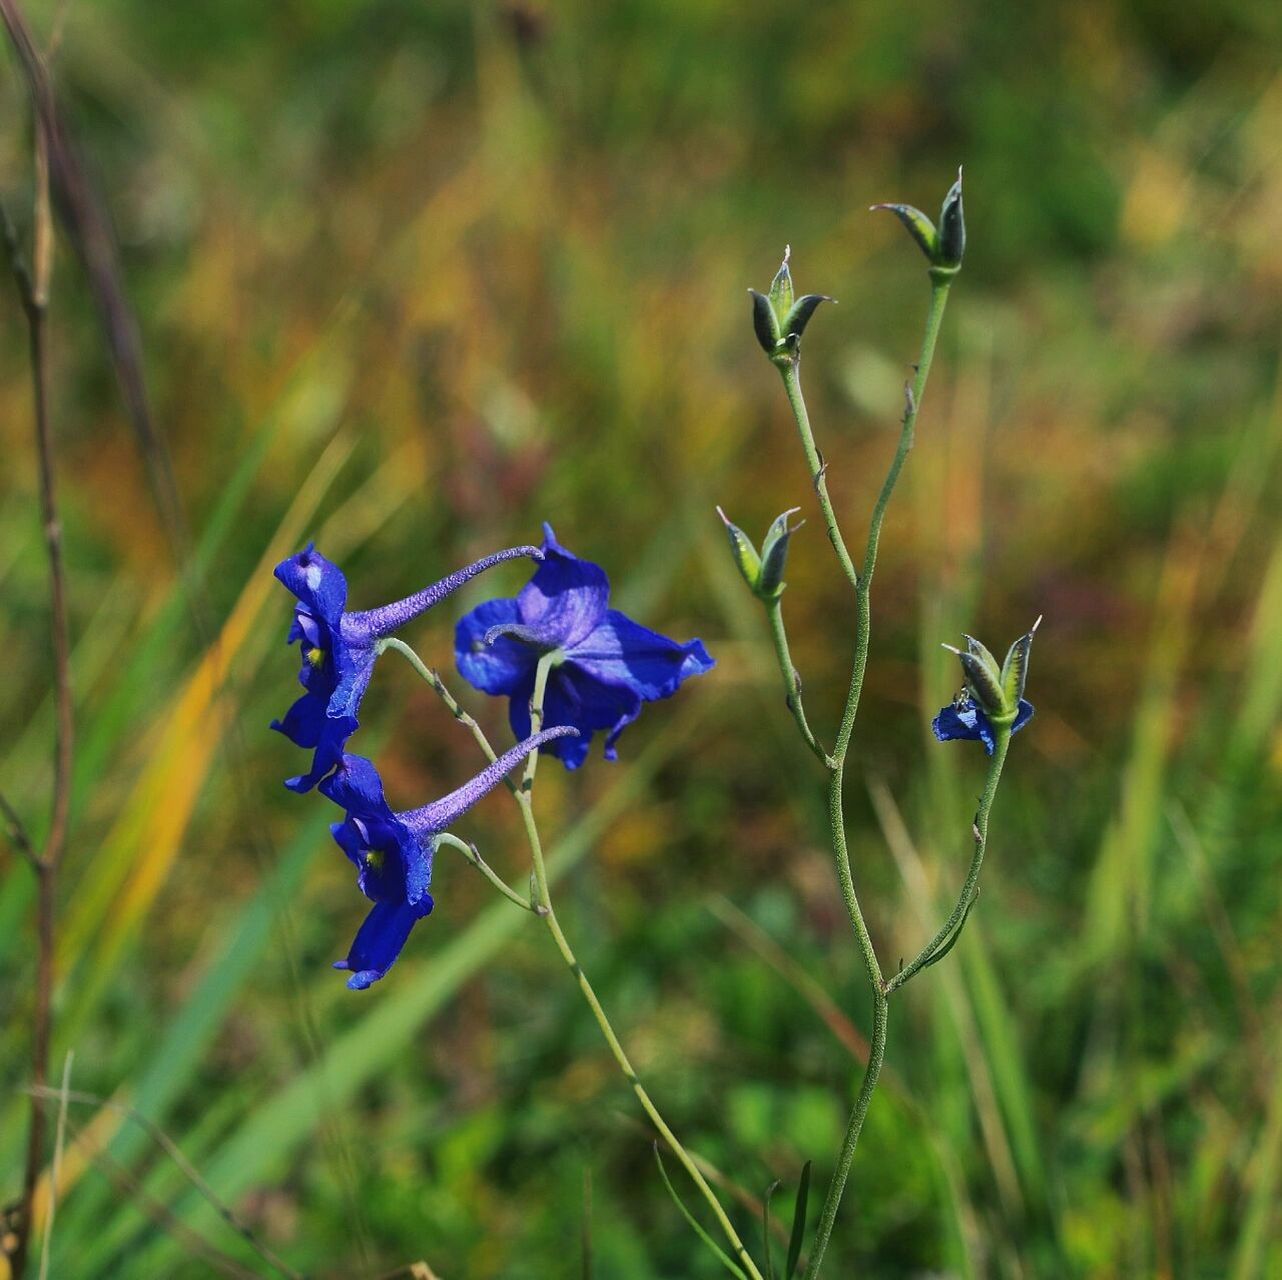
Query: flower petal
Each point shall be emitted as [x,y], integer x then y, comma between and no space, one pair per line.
[577,697]
[621,651]
[304,722]
[317,582]
[357,787]
[379,942]
[504,668]
[566,598]
[955,724]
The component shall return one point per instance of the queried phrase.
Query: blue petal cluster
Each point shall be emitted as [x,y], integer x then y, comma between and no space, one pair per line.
[339,650]
[610,665]
[393,852]
[965,720]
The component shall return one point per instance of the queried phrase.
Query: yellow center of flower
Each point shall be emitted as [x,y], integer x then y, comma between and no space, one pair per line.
[315,656]
[374,859]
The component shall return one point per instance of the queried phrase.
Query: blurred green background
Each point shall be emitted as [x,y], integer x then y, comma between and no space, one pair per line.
[412,278]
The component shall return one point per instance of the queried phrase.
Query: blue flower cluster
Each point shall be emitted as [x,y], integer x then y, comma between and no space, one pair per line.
[607,667]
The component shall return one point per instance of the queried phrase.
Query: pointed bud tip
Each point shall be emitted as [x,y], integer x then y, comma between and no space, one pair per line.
[1032,631]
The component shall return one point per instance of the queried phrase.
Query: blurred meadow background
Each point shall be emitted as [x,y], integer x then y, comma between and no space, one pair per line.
[412,278]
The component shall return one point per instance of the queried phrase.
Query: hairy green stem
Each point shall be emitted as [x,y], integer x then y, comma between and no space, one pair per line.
[792,680]
[957,919]
[544,909]
[790,370]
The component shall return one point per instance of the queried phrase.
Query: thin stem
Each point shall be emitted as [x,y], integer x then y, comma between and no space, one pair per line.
[836,813]
[907,434]
[547,913]
[33,292]
[957,919]
[17,833]
[433,679]
[792,680]
[473,855]
[790,370]
[854,1126]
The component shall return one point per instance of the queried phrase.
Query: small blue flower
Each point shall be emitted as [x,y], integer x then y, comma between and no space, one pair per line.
[965,720]
[610,665]
[339,650]
[393,852]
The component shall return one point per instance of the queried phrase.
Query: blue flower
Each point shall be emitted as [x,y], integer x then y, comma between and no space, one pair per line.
[965,719]
[610,665]
[339,650]
[393,852]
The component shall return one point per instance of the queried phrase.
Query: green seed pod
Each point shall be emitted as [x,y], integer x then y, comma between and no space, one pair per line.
[774,555]
[781,293]
[744,553]
[764,322]
[919,227]
[951,244]
[1015,668]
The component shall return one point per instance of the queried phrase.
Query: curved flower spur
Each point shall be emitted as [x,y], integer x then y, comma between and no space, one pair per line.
[339,649]
[393,852]
[609,666]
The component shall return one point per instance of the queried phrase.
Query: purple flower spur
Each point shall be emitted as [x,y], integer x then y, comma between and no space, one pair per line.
[393,852]
[339,650]
[609,666]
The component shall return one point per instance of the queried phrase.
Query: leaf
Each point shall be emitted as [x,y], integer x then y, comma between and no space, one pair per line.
[798,1224]
[724,1258]
[765,1227]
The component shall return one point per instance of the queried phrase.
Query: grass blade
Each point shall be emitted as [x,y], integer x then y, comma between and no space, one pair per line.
[798,1224]
[720,1253]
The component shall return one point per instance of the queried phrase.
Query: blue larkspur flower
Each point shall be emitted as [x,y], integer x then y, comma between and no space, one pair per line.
[339,650]
[610,665]
[393,852]
[965,720]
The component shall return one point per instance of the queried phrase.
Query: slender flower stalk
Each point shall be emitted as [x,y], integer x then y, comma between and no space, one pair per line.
[951,928]
[792,681]
[544,908]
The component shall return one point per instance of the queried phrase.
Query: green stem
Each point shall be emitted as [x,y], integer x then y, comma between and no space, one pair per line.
[792,680]
[956,921]
[845,1157]
[544,909]
[862,582]
[472,854]
[790,370]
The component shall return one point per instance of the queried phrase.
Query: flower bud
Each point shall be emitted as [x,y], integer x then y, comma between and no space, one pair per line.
[774,555]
